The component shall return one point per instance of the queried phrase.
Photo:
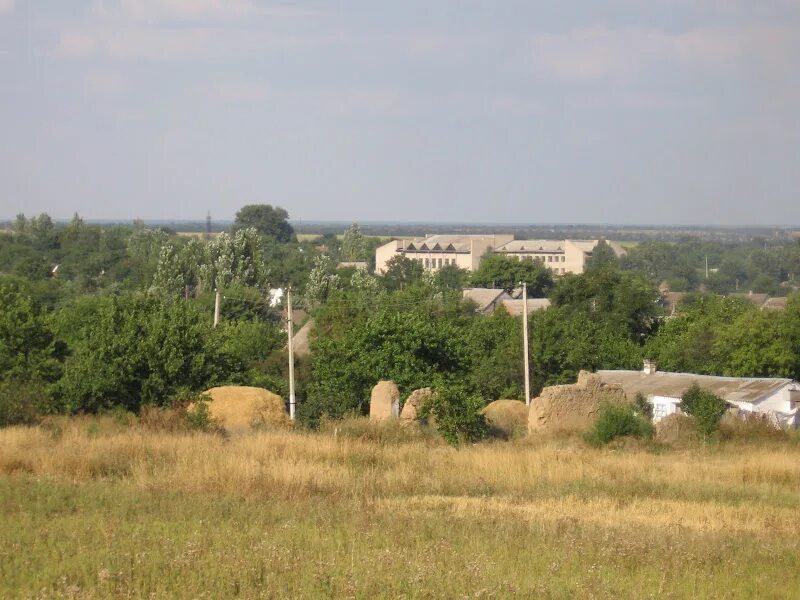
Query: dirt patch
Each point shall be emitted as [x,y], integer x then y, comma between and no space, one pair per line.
[506,418]
[241,408]
[572,407]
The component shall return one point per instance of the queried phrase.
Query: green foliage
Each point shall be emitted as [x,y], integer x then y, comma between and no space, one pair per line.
[28,349]
[563,342]
[706,408]
[407,347]
[494,349]
[451,277]
[499,271]
[401,272]
[603,257]
[456,411]
[21,403]
[642,407]
[322,280]
[624,301]
[266,219]
[354,245]
[141,350]
[618,420]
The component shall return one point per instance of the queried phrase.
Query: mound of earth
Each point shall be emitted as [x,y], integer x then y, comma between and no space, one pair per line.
[384,402]
[241,408]
[413,404]
[506,418]
[676,429]
[572,407]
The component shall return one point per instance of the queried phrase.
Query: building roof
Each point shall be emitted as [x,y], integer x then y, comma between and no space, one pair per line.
[533,246]
[775,304]
[757,299]
[673,385]
[483,297]
[514,307]
[442,243]
[589,245]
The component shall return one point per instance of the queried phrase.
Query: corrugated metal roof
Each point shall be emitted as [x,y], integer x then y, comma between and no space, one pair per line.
[483,297]
[673,385]
[514,307]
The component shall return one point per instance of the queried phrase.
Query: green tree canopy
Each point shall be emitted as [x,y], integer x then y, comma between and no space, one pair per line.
[499,271]
[265,219]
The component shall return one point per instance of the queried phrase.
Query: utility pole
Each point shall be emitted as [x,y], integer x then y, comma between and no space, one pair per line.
[525,343]
[290,328]
[706,266]
[216,308]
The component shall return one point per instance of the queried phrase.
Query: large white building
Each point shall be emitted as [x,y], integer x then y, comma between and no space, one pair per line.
[465,251]
[436,251]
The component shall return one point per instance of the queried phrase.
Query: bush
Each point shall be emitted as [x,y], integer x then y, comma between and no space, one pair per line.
[617,420]
[642,407]
[706,408]
[456,412]
[750,427]
[21,404]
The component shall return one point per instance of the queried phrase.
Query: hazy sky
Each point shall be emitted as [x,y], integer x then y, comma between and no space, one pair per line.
[624,111]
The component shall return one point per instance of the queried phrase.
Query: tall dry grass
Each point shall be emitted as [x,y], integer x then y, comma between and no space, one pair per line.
[707,488]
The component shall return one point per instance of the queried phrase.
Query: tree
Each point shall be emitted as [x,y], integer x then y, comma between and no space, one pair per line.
[706,408]
[451,277]
[265,219]
[564,342]
[603,256]
[321,281]
[401,272]
[498,271]
[28,349]
[625,301]
[141,350]
[354,244]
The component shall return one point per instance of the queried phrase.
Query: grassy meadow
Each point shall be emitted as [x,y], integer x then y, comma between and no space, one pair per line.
[90,508]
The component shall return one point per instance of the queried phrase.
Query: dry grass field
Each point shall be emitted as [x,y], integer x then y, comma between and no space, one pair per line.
[94,509]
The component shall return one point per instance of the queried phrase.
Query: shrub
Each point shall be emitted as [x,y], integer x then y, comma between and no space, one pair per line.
[616,420]
[456,412]
[706,408]
[642,407]
[21,404]
[750,427]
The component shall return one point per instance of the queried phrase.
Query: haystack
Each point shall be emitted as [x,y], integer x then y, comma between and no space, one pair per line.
[413,404]
[384,402]
[572,407]
[241,408]
[676,429]
[506,418]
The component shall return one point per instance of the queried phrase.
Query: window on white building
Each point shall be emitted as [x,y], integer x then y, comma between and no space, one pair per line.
[660,410]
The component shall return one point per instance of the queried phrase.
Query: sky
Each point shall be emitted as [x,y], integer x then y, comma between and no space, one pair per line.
[526,111]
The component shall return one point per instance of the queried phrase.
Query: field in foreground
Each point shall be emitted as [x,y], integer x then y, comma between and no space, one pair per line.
[88,513]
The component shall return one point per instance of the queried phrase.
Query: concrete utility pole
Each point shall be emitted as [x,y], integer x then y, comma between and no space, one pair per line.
[290,328]
[706,266]
[525,343]
[216,308]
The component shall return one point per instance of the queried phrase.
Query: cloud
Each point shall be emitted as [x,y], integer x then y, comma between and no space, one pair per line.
[6,7]
[187,29]
[156,10]
[106,84]
[600,52]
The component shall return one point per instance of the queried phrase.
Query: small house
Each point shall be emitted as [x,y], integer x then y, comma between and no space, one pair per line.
[778,398]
